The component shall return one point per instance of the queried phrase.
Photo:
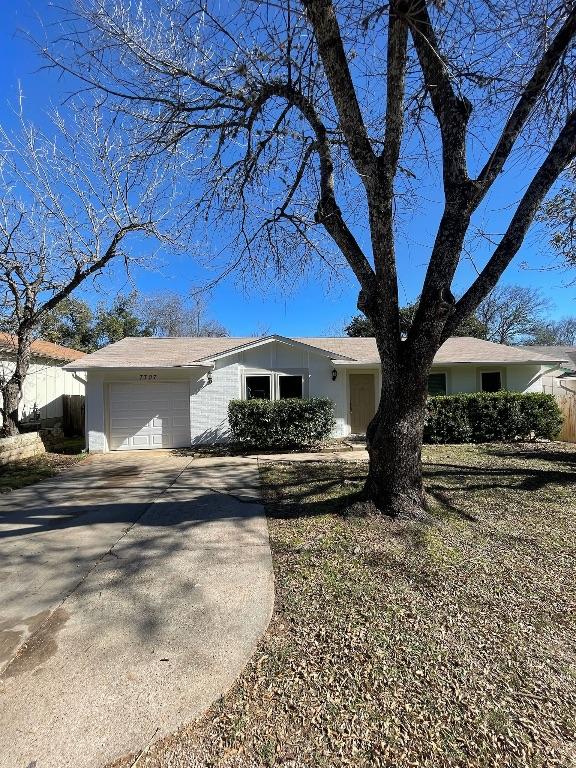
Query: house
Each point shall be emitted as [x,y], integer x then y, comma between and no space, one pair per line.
[174,392]
[567,353]
[47,381]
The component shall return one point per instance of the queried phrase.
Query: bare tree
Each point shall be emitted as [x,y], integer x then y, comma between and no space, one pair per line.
[559,215]
[555,332]
[511,313]
[69,202]
[172,314]
[320,127]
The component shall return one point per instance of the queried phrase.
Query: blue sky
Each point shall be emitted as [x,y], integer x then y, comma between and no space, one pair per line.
[311,307]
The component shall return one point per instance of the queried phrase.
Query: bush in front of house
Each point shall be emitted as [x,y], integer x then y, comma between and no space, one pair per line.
[483,417]
[286,423]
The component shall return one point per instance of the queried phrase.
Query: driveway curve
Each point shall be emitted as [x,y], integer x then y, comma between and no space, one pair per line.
[133,590]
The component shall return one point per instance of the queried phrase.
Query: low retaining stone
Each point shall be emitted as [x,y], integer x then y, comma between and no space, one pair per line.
[20,447]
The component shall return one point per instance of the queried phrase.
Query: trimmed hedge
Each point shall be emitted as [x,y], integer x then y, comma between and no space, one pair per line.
[281,423]
[483,417]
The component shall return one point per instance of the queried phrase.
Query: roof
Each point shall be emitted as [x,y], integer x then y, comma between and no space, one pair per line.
[172,352]
[567,353]
[41,348]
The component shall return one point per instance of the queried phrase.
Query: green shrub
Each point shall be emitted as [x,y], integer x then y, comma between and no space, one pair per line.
[483,417]
[281,423]
[447,420]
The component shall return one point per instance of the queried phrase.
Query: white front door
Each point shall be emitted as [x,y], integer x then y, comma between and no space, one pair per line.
[149,415]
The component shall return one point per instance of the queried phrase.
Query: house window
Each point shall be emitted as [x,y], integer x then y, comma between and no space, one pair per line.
[289,386]
[258,387]
[437,384]
[491,381]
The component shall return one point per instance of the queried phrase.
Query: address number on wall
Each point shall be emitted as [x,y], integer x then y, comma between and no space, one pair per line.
[148,376]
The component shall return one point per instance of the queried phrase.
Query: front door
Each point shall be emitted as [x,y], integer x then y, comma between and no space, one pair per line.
[362,401]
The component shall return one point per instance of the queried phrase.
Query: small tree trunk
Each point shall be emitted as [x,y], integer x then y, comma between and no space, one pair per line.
[12,388]
[394,484]
[11,401]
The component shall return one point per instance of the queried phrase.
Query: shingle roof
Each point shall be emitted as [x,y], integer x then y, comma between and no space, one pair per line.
[148,352]
[41,348]
[566,353]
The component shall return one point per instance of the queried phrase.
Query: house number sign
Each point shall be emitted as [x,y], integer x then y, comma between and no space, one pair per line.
[148,376]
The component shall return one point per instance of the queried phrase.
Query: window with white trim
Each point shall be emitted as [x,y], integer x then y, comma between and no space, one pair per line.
[259,387]
[290,386]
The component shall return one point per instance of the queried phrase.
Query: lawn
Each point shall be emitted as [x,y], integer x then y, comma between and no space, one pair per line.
[29,471]
[402,645]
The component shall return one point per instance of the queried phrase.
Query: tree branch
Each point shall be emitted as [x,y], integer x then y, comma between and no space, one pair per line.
[81,273]
[452,111]
[521,112]
[322,16]
[327,213]
[562,153]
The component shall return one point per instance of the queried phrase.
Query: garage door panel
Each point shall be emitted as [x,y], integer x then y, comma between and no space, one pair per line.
[149,415]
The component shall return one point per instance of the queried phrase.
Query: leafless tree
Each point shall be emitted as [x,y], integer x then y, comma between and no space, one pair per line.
[68,204]
[511,313]
[321,128]
[173,314]
[554,332]
[559,215]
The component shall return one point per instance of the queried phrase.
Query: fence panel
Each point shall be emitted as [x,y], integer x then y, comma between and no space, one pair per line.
[564,390]
[73,415]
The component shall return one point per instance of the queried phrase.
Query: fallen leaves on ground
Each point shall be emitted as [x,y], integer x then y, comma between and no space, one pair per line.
[405,645]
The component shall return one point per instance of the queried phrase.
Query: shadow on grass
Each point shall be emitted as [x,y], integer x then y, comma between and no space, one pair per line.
[336,488]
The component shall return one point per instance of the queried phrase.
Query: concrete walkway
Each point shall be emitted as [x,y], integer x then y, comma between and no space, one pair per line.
[133,590]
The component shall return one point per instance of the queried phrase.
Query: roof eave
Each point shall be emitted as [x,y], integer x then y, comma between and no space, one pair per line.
[268,340]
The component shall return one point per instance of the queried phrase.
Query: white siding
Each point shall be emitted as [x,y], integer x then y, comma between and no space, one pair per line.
[98,398]
[209,402]
[44,386]
[516,378]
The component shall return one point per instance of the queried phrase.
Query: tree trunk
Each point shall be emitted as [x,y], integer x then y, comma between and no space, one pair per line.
[394,437]
[12,388]
[10,403]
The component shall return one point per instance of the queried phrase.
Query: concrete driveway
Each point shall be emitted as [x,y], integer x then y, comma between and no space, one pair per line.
[133,590]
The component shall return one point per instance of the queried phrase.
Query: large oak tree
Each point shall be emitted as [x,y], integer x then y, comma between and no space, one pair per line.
[319,127]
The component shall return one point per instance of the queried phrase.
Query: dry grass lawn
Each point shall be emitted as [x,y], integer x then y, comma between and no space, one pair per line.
[25,472]
[401,645]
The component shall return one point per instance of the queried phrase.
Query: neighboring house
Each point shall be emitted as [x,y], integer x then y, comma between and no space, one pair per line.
[564,352]
[46,381]
[174,392]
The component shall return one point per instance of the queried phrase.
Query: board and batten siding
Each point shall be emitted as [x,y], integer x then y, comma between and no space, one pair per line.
[209,402]
[44,386]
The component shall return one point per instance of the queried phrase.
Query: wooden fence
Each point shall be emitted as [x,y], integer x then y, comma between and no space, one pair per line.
[564,390]
[73,415]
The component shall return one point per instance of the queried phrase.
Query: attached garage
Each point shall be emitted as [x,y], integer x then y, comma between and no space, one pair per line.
[149,415]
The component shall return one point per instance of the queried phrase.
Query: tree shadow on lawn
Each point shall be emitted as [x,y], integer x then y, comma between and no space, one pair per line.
[336,488]
[529,479]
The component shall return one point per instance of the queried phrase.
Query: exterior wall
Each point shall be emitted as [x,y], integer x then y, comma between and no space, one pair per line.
[209,401]
[97,397]
[516,378]
[44,386]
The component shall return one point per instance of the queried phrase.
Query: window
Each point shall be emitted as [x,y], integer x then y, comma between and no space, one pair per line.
[437,384]
[491,381]
[258,387]
[289,386]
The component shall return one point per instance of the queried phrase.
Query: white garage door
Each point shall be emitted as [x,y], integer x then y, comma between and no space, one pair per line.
[149,415]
